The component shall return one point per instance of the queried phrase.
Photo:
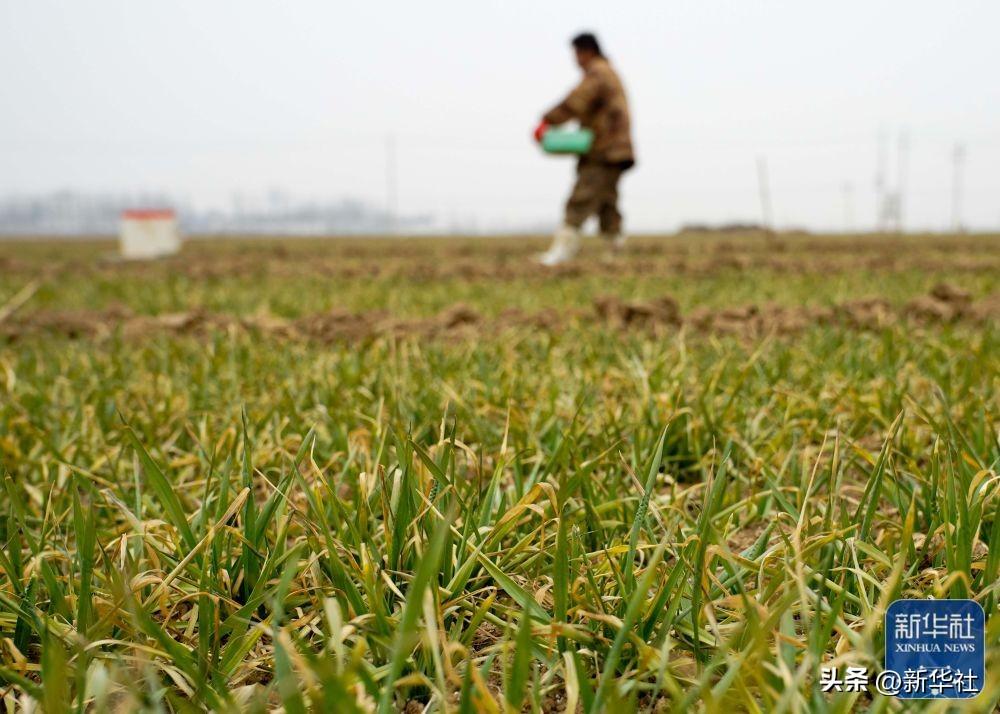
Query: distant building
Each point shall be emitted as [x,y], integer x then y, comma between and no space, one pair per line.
[72,213]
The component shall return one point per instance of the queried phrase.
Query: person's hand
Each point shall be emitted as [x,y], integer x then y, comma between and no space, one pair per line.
[540,130]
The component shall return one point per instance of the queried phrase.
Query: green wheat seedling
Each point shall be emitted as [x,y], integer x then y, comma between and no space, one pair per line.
[587,518]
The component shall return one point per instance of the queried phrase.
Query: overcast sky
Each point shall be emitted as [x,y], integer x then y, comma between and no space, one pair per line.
[206,99]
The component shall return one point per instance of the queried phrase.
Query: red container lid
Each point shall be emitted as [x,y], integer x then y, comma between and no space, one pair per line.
[146,214]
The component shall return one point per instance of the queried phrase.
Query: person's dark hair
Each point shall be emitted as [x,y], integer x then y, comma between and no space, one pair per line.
[587,42]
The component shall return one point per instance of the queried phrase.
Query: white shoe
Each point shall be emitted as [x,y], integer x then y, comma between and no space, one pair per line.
[617,242]
[565,245]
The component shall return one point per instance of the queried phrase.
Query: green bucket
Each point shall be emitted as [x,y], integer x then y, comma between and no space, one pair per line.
[567,141]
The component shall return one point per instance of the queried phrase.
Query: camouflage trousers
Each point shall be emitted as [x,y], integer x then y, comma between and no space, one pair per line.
[596,194]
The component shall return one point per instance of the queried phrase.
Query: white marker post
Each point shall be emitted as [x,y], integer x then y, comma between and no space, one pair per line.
[148,233]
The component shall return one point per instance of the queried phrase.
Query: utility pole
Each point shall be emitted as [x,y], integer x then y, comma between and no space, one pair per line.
[848,193]
[765,193]
[390,183]
[881,161]
[958,166]
[903,148]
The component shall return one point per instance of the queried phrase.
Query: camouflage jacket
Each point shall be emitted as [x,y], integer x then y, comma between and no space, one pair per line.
[599,104]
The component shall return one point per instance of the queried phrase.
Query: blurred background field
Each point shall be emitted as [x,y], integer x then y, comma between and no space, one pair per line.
[418,276]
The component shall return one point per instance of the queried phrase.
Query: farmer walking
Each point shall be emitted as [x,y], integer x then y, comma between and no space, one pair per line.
[598,103]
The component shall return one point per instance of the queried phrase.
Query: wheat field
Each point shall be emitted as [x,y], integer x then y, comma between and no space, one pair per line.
[427,475]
